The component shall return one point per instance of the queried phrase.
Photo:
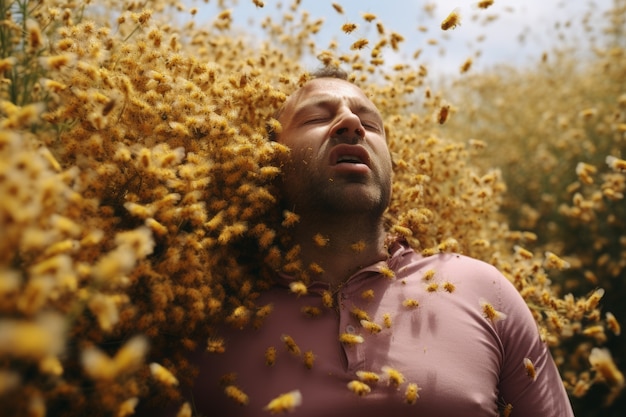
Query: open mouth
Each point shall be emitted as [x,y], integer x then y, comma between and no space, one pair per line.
[349,159]
[349,154]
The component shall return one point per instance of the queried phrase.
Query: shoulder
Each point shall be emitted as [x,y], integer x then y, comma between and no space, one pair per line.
[465,265]
[453,265]
[474,280]
[402,255]
[481,278]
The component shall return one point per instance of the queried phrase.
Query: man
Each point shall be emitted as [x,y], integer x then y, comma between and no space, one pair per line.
[380,330]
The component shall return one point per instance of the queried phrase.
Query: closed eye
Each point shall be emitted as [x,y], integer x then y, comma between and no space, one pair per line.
[371,126]
[313,121]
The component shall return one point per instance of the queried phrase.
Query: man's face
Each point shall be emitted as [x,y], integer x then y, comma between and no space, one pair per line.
[339,159]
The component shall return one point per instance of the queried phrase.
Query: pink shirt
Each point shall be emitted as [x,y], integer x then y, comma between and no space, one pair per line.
[464,363]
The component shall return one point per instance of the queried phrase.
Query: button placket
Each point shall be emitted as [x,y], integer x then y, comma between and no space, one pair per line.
[354,354]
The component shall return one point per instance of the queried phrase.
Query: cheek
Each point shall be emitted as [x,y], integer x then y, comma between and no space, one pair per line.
[301,157]
[300,145]
[384,156]
[306,149]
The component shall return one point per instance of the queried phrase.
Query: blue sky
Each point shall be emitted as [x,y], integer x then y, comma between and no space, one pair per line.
[535,21]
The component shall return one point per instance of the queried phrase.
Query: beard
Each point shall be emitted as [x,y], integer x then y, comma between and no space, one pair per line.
[307,191]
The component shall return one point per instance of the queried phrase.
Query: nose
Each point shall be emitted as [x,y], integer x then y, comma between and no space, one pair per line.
[348,127]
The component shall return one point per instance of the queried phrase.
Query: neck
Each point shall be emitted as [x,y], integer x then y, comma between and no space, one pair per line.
[339,244]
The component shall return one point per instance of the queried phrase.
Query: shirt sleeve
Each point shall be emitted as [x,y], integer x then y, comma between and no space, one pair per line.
[530,381]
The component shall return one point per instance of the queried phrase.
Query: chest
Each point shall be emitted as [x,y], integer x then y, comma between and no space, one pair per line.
[439,358]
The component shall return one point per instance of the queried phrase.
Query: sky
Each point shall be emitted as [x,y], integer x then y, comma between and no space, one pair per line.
[501,26]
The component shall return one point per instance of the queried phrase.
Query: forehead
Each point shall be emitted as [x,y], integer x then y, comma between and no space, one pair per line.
[322,90]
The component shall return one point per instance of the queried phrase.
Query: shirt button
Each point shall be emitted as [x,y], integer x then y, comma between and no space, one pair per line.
[350,329]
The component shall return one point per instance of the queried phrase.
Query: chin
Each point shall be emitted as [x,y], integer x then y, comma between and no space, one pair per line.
[360,204]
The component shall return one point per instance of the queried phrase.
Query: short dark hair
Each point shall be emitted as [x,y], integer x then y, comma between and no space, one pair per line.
[328,71]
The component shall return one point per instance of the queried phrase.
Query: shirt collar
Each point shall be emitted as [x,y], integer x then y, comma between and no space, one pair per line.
[397,248]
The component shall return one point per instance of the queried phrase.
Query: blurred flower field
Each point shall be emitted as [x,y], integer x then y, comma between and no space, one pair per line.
[138,211]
